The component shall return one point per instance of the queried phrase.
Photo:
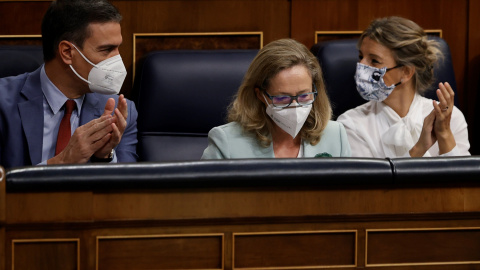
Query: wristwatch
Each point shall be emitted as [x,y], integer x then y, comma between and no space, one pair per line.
[93,158]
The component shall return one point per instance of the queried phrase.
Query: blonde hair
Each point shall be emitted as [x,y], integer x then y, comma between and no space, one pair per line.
[247,110]
[409,45]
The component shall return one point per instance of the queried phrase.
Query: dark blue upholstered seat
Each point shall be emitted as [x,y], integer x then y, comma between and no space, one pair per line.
[17,60]
[339,58]
[182,94]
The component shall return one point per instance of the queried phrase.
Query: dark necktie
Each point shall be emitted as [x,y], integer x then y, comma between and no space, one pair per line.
[65,131]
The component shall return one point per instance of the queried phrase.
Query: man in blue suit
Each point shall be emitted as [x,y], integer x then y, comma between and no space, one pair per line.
[83,72]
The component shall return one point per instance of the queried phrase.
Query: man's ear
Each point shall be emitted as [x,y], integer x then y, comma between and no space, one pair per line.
[65,49]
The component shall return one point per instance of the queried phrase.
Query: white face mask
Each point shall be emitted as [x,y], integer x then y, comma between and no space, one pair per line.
[105,77]
[370,83]
[290,119]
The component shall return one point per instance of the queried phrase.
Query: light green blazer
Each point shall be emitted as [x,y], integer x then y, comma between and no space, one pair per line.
[230,141]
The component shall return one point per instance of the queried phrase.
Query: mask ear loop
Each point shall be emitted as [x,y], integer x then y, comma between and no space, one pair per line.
[397,66]
[271,104]
[78,75]
[268,104]
[88,61]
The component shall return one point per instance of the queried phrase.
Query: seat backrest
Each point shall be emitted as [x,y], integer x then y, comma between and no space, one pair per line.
[339,58]
[182,94]
[16,60]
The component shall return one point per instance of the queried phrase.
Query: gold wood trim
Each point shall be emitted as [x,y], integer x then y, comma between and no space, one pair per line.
[156,236]
[366,246]
[201,34]
[20,36]
[296,267]
[424,229]
[45,240]
[110,237]
[294,232]
[335,33]
[135,35]
[317,33]
[367,231]
[420,264]
[434,31]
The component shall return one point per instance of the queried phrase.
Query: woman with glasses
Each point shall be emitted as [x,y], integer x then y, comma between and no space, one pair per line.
[395,67]
[281,110]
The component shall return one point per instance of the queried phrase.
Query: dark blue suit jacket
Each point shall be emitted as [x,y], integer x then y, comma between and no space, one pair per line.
[21,121]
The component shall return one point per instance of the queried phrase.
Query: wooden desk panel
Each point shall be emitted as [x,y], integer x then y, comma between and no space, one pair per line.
[178,251]
[97,218]
[189,204]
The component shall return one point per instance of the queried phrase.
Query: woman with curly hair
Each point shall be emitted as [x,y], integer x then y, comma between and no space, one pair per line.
[395,68]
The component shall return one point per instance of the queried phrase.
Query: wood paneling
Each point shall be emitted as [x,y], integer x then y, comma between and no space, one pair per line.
[74,206]
[200,204]
[196,228]
[22,18]
[54,254]
[283,237]
[149,42]
[472,81]
[321,36]
[425,246]
[160,252]
[13,40]
[145,43]
[292,250]
[186,16]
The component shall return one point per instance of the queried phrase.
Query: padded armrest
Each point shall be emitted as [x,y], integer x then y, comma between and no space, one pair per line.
[436,170]
[205,173]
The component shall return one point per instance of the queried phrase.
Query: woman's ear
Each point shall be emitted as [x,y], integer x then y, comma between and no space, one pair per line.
[65,49]
[408,72]
[260,95]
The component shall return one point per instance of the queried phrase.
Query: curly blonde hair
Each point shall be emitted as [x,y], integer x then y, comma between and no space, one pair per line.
[409,45]
[247,110]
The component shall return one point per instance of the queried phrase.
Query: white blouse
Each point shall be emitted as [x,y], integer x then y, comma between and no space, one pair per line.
[376,130]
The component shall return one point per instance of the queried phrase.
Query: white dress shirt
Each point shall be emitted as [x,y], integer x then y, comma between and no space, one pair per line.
[53,100]
[376,130]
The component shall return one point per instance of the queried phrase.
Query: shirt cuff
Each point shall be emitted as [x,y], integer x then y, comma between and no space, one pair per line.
[114,158]
[452,153]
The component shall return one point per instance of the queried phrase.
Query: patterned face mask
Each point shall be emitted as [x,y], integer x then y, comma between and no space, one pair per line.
[370,83]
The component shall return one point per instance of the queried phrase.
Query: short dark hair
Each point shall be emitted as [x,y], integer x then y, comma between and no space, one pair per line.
[69,20]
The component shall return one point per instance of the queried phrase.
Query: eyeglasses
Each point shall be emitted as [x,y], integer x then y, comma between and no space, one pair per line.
[285,101]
